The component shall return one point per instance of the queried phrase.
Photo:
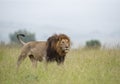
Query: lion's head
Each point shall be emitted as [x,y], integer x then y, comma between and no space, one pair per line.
[59,44]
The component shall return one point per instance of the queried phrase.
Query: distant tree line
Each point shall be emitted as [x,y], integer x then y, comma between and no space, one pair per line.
[90,44]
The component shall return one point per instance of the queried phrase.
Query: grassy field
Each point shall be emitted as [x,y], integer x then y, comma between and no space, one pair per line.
[81,67]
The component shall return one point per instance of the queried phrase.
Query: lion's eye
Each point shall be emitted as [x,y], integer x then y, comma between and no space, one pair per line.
[62,42]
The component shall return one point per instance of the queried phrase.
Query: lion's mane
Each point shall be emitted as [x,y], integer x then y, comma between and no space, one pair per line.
[54,52]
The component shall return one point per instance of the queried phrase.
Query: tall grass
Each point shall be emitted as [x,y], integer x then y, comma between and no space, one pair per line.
[80,67]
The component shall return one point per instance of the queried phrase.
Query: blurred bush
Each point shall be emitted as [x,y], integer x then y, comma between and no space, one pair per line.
[93,44]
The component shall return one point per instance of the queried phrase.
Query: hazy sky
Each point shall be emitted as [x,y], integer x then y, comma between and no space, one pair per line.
[80,19]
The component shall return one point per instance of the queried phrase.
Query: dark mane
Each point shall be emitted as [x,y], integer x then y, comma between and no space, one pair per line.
[52,54]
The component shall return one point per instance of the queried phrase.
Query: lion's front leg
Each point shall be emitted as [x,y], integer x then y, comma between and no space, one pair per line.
[60,60]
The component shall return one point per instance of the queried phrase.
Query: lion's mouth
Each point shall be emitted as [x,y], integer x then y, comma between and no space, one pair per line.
[66,50]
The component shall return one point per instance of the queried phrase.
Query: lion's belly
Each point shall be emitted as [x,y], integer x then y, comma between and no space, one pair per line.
[38,54]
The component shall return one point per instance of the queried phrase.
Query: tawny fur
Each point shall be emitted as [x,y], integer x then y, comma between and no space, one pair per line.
[54,49]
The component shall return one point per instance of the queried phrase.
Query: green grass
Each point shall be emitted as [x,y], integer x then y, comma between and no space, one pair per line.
[80,67]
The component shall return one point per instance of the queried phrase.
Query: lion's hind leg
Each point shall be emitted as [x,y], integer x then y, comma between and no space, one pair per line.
[21,57]
[33,60]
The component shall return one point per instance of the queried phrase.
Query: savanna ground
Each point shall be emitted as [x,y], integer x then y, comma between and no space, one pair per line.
[81,67]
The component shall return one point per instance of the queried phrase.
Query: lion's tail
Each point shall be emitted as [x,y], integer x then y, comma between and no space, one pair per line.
[18,37]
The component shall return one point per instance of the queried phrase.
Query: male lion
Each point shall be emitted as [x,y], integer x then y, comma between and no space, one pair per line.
[54,49]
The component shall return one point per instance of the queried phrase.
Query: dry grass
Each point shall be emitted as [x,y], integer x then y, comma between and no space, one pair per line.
[81,67]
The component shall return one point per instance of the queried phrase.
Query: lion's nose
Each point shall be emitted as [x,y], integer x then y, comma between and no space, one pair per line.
[66,47]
